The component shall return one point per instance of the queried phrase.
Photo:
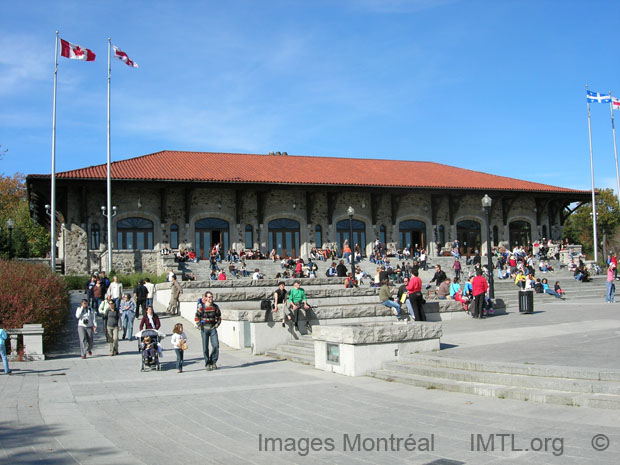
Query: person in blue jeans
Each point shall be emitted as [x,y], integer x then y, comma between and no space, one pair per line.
[5,359]
[128,313]
[208,318]
[385,296]
[548,290]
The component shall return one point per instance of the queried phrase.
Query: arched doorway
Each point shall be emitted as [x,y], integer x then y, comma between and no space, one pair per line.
[284,237]
[210,231]
[520,233]
[468,234]
[359,234]
[412,232]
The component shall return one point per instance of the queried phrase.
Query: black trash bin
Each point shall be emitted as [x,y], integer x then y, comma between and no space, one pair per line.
[526,301]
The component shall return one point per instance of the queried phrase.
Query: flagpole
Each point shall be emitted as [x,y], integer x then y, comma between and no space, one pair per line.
[613,131]
[109,180]
[592,176]
[53,177]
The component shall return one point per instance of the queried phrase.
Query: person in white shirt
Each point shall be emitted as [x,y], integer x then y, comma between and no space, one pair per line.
[150,287]
[115,292]
[178,340]
[87,326]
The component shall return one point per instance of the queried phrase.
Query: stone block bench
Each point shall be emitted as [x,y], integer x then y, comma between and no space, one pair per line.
[355,349]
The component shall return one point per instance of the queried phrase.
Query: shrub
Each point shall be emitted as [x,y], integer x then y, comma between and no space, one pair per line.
[32,293]
[78,282]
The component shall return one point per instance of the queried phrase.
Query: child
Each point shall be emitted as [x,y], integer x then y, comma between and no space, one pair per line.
[149,348]
[177,341]
[5,359]
[558,289]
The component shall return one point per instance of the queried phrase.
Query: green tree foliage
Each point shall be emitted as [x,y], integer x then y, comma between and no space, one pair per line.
[578,226]
[28,239]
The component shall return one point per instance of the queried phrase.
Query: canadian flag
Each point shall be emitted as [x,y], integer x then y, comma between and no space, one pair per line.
[615,103]
[123,57]
[75,52]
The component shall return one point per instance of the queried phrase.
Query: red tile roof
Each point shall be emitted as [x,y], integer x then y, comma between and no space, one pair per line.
[301,170]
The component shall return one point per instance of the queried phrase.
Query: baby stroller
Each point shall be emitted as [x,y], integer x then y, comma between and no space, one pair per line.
[149,347]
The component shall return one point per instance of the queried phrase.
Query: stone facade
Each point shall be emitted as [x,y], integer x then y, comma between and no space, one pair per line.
[182,205]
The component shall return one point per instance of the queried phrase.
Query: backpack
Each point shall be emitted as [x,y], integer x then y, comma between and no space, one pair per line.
[327,273]
[265,304]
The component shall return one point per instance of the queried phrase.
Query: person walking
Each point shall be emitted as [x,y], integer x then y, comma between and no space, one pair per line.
[113,325]
[611,287]
[140,293]
[150,320]
[128,312]
[87,326]
[457,268]
[208,318]
[479,289]
[150,287]
[416,298]
[175,292]
[5,360]
[115,292]
[179,344]
[103,311]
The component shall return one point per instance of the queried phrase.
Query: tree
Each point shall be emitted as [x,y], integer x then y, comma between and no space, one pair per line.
[578,227]
[28,239]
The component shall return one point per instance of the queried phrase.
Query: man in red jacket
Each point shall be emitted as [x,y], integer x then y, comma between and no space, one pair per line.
[479,289]
[415,297]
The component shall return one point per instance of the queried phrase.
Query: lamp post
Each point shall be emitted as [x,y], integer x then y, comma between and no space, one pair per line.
[351,212]
[486,205]
[10,224]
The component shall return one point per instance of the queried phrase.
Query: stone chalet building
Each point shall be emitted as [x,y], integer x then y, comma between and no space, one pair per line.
[290,203]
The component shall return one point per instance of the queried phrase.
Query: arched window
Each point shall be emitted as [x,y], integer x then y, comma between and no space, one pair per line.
[284,237]
[495,236]
[544,228]
[210,231]
[95,236]
[134,234]
[412,233]
[520,233]
[174,236]
[382,234]
[249,240]
[359,234]
[468,234]
[318,236]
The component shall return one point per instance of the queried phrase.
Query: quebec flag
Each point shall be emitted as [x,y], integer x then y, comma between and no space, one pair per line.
[595,97]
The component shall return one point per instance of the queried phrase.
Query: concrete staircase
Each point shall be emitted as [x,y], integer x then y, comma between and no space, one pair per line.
[299,350]
[546,384]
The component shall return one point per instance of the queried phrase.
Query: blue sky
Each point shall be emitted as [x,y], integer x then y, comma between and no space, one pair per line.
[493,86]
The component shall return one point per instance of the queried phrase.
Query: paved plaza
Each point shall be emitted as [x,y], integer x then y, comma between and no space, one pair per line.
[257,410]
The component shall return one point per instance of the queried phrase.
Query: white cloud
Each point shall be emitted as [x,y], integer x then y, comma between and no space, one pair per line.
[23,63]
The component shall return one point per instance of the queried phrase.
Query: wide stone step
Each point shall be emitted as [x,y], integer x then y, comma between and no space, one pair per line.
[585,373]
[283,353]
[500,391]
[303,341]
[508,379]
